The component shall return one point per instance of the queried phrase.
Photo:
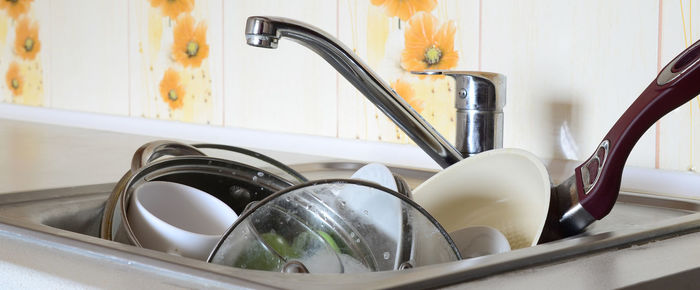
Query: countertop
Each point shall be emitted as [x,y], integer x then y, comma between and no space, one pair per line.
[37,156]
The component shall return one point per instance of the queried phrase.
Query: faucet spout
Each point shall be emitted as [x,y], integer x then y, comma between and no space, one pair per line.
[261,32]
[266,31]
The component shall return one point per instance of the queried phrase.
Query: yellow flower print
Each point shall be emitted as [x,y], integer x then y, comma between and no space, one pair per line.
[171,90]
[16,8]
[428,47]
[27,43]
[173,8]
[14,79]
[190,46]
[404,9]
[406,92]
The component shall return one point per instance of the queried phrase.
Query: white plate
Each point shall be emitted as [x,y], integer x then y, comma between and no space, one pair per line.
[384,210]
[378,174]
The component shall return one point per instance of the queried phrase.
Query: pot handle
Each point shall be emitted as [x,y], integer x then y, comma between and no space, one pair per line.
[151,151]
[598,178]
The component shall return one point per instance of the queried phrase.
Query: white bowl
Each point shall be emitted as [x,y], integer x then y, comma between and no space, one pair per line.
[479,241]
[178,219]
[506,189]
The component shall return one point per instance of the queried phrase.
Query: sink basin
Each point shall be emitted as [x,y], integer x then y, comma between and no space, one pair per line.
[67,221]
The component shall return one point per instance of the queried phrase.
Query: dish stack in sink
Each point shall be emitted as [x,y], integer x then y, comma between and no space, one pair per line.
[276,219]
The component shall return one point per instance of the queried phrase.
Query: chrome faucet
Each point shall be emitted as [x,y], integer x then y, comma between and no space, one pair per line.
[266,32]
[479,100]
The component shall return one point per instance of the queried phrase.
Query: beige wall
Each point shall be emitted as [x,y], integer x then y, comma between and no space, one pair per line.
[572,68]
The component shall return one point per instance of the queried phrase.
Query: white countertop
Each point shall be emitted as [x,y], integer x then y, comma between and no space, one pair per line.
[41,156]
[38,156]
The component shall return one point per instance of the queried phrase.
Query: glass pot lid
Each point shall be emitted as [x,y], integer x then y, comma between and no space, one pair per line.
[334,226]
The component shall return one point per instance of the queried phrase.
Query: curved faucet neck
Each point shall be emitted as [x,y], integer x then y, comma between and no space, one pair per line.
[266,32]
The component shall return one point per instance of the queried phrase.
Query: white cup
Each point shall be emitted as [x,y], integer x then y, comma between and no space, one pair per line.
[479,241]
[178,219]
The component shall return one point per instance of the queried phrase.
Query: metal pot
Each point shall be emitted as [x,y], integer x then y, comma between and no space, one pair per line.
[236,183]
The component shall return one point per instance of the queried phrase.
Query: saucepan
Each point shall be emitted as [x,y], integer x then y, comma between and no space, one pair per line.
[233,175]
[509,189]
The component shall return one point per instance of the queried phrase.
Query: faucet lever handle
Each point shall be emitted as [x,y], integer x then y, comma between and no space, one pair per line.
[475,90]
[479,100]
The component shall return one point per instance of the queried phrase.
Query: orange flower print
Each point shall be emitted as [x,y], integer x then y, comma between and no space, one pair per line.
[170,89]
[14,79]
[427,46]
[173,8]
[404,9]
[27,43]
[16,8]
[190,46]
[406,92]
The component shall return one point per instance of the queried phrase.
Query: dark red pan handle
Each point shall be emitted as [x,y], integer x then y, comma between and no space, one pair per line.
[598,179]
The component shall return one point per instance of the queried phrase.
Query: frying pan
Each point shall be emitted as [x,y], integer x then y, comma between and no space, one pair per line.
[537,214]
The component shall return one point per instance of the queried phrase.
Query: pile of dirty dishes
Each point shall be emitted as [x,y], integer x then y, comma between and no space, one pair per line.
[249,211]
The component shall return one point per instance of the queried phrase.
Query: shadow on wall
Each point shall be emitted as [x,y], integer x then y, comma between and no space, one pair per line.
[565,129]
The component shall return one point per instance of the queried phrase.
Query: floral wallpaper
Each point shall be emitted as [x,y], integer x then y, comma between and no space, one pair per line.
[404,36]
[20,56]
[174,60]
[187,61]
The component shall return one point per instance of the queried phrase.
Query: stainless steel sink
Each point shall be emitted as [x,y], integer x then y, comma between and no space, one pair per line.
[68,219]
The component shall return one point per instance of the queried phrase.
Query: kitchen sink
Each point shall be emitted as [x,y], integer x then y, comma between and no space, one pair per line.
[67,220]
